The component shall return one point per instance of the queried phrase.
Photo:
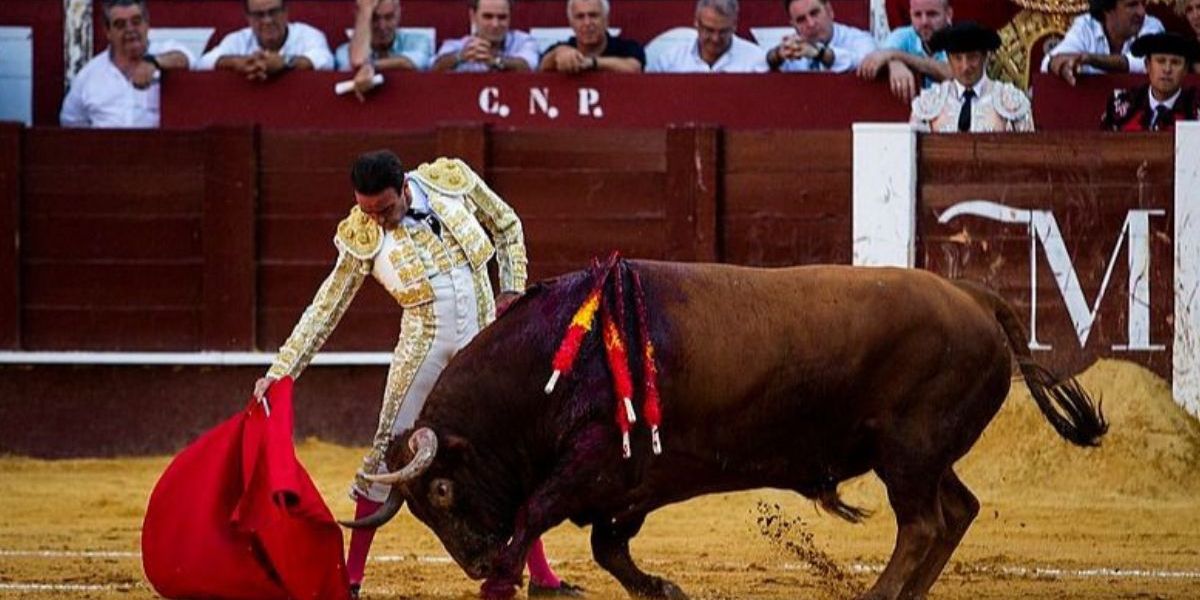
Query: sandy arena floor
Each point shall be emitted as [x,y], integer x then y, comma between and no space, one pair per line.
[1057,521]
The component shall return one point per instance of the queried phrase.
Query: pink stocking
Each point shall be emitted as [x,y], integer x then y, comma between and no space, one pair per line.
[539,569]
[360,541]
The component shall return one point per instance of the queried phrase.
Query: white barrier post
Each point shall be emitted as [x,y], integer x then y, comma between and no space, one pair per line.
[885,195]
[1185,380]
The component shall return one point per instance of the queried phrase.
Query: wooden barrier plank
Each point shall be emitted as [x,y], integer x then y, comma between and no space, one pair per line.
[78,284]
[10,228]
[231,185]
[787,151]
[582,194]
[522,150]
[691,194]
[108,329]
[116,238]
[466,142]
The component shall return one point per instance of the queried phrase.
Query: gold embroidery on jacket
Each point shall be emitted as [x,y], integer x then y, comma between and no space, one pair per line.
[418,328]
[322,315]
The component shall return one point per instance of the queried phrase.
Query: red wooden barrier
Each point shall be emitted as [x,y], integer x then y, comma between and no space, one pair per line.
[419,100]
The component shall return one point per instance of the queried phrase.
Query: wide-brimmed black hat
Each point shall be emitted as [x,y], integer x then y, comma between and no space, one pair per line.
[964,37]
[1166,43]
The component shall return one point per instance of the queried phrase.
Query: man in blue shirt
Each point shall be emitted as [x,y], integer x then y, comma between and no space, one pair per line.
[906,50]
[378,45]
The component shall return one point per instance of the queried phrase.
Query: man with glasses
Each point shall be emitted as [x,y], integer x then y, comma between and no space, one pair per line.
[270,45]
[378,44]
[119,87]
[717,49]
[492,45]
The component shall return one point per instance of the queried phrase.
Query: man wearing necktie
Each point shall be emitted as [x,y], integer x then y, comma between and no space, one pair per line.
[1162,101]
[970,102]
[426,236]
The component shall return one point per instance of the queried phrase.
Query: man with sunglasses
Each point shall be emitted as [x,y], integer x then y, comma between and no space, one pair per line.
[119,87]
[270,45]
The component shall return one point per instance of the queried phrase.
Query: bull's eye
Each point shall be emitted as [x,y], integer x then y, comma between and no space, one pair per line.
[441,493]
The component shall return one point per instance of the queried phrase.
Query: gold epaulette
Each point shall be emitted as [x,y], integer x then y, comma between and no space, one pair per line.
[1065,7]
[447,175]
[359,235]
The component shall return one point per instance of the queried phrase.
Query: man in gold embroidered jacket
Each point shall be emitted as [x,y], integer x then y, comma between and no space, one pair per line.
[426,236]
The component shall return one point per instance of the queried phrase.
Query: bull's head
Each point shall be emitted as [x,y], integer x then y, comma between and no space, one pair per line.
[441,491]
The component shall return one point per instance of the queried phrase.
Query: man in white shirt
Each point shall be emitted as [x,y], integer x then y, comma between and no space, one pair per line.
[820,44]
[970,102]
[270,45]
[1099,41]
[120,86]
[717,49]
[493,46]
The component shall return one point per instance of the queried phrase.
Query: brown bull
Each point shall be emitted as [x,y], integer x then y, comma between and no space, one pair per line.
[794,378]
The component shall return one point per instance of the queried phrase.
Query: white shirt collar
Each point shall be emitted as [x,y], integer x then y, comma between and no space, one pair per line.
[980,87]
[1169,102]
[420,199]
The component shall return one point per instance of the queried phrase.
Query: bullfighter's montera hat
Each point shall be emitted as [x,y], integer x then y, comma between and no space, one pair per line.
[964,37]
[1166,43]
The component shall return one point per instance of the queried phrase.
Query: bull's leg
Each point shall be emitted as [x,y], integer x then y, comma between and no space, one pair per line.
[551,503]
[610,547]
[959,508]
[914,498]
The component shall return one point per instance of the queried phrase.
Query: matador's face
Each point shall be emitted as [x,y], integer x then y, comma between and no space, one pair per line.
[385,208]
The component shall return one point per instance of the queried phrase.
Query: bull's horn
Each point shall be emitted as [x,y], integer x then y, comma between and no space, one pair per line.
[424,443]
[384,514]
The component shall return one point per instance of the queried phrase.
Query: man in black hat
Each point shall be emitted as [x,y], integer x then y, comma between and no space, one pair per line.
[1157,105]
[970,101]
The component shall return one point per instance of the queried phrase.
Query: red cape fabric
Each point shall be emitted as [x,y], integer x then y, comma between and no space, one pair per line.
[235,515]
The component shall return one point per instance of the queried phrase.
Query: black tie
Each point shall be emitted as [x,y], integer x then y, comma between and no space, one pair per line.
[1162,118]
[428,218]
[964,115]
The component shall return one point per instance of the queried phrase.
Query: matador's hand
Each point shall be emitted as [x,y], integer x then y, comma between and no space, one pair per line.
[505,300]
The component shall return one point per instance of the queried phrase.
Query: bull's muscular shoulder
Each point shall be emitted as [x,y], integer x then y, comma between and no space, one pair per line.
[449,176]
[358,235]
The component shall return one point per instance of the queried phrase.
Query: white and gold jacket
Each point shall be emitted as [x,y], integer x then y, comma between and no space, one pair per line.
[999,106]
[402,259]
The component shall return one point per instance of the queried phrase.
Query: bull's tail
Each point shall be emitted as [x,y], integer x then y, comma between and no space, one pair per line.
[1064,403]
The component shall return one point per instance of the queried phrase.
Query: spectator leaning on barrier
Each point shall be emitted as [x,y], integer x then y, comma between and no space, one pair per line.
[970,101]
[592,48]
[906,50]
[1190,11]
[717,49]
[378,44]
[120,86]
[819,44]
[270,46]
[1163,100]
[1099,41]
[493,46]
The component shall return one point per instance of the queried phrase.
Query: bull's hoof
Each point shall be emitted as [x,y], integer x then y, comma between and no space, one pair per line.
[662,590]
[498,589]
